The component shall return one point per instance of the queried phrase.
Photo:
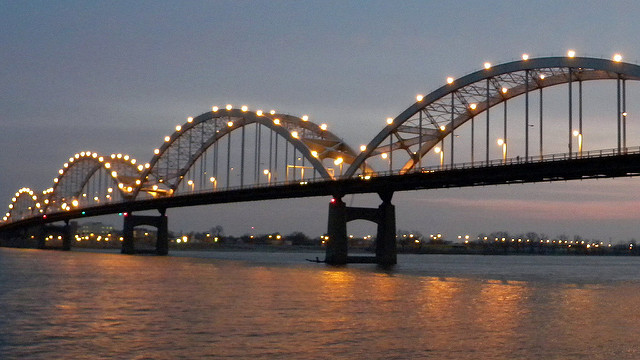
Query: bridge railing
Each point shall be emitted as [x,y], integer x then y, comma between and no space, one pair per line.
[430,169]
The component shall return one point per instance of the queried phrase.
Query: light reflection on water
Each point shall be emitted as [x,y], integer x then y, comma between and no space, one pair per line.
[270,305]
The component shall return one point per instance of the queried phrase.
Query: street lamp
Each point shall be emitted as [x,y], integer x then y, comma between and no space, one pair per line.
[503,143]
[577,134]
[438,150]
[214,181]
[339,161]
[190,183]
[268,173]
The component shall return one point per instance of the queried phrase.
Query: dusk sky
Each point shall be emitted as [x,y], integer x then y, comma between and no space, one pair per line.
[118,76]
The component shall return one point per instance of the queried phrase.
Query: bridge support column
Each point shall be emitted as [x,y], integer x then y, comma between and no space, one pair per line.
[159,222]
[337,244]
[66,236]
[386,250]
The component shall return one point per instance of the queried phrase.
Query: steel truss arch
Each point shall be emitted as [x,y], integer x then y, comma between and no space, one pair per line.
[74,175]
[466,97]
[172,161]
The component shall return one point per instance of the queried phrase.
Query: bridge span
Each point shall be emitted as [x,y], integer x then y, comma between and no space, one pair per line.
[432,144]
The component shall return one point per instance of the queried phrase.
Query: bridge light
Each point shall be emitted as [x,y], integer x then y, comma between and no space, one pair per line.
[77,156]
[272,112]
[101,159]
[167,138]
[147,165]
[212,179]
[617,57]
[542,76]
[114,174]
[109,190]
[229,107]
[265,171]
[126,158]
[190,182]
[244,108]
[449,80]
[189,119]
[314,154]
[133,161]
[323,127]
[419,97]
[55,180]
[487,65]
[178,127]
[259,112]
[94,155]
[384,155]
[363,147]
[129,189]
[525,57]
[571,53]
[107,165]
[500,142]
[294,134]
[389,121]
[60,171]
[214,108]
[230,124]
[71,159]
[75,203]
[576,132]
[305,117]
[624,114]
[437,149]
[138,182]
[276,121]
[473,106]
[120,186]
[443,128]
[338,161]
[504,90]
[156,151]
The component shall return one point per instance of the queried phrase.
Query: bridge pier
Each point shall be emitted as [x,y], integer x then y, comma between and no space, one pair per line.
[159,222]
[340,215]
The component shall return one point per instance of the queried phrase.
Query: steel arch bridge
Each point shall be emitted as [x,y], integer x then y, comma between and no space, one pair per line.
[234,154]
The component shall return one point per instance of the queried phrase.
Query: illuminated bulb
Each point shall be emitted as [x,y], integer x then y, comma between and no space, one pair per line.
[244,108]
[113,156]
[305,118]
[229,107]
[75,203]
[94,155]
[55,180]
[114,174]
[140,167]
[487,65]
[77,156]
[363,147]
[214,109]
[266,172]
[437,150]
[133,161]
[389,121]
[167,138]
[178,127]
[119,156]
[101,159]
[138,182]
[542,76]
[442,127]
[525,57]
[230,124]
[419,97]
[576,132]
[156,151]
[272,112]
[276,121]
[338,161]
[314,153]
[617,57]
[500,142]
[189,119]
[323,127]
[504,90]
[147,165]
[259,112]
[125,158]
[154,187]
[60,171]
[473,106]
[449,80]
[107,165]
[294,134]
[384,155]
[571,53]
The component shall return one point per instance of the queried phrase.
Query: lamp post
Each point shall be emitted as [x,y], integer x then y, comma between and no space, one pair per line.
[268,173]
[214,182]
[190,183]
[503,143]
[438,150]
[577,134]
[339,161]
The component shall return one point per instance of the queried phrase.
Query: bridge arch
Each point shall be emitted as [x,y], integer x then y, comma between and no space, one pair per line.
[120,175]
[180,151]
[419,128]
[23,204]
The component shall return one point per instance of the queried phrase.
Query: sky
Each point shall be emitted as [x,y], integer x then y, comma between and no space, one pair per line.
[117,76]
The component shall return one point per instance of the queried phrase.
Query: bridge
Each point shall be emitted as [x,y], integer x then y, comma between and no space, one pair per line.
[231,154]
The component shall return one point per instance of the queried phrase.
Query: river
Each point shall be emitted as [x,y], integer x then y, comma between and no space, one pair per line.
[234,305]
